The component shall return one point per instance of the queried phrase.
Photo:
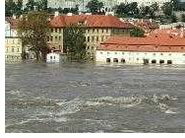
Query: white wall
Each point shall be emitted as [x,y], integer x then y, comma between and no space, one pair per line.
[137,57]
[8,31]
[53,57]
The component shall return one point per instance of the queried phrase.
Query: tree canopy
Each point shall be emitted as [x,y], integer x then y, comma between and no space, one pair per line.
[33,29]
[137,32]
[74,42]
[94,6]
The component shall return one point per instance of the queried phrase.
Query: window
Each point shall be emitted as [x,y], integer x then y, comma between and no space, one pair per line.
[101,52]
[55,38]
[51,38]
[88,39]
[48,38]
[161,61]
[17,49]
[108,60]
[97,38]
[52,30]
[123,53]
[154,61]
[115,60]
[102,38]
[154,54]
[161,54]
[93,30]
[59,30]
[12,49]
[50,57]
[54,57]
[107,30]
[108,53]
[123,60]
[102,31]
[92,38]
[115,53]
[169,62]
[59,37]
[183,54]
[55,29]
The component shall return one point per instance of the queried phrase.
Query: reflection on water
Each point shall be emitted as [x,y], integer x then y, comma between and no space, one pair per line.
[74,97]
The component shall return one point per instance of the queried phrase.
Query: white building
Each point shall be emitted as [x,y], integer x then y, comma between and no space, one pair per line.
[150,50]
[53,57]
[148,2]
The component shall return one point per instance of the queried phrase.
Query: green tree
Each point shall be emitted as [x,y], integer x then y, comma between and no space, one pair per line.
[137,32]
[33,29]
[42,5]
[19,6]
[74,42]
[183,18]
[94,6]
[130,9]
[173,18]
[167,8]
[30,5]
[10,7]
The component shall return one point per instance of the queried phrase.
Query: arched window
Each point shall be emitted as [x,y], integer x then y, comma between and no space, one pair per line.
[161,61]
[108,60]
[123,60]
[169,62]
[154,61]
[145,61]
[115,60]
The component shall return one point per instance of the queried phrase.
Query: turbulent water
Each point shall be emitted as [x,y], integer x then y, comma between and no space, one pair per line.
[74,97]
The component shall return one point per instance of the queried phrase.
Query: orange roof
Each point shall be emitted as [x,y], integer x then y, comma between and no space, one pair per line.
[168,32]
[95,21]
[146,25]
[157,44]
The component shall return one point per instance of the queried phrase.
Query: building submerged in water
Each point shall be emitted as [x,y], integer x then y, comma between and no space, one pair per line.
[157,48]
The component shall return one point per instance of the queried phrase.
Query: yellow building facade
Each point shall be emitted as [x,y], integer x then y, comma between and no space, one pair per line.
[13,49]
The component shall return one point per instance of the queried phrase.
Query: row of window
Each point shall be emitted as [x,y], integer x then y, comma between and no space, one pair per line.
[154,54]
[145,61]
[12,49]
[59,30]
[12,41]
[56,30]
[96,38]
[13,57]
[54,38]
[97,30]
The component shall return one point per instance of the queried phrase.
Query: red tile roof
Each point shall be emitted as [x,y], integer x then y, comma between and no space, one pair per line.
[92,21]
[145,44]
[146,25]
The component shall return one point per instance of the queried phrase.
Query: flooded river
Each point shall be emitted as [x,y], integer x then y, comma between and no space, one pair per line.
[74,97]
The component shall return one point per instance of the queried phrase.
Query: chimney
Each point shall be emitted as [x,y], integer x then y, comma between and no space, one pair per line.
[14,17]
[56,13]
[181,32]
[69,14]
